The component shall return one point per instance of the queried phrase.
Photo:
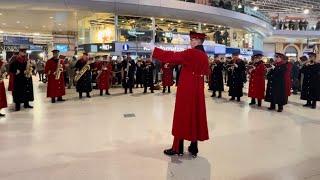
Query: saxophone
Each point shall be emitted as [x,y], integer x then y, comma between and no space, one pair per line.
[82,71]
[28,71]
[59,70]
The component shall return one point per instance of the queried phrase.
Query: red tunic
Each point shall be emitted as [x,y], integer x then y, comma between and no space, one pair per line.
[105,76]
[167,76]
[257,81]
[190,119]
[288,79]
[3,97]
[56,88]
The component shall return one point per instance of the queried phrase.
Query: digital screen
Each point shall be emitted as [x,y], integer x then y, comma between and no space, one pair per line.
[94,48]
[62,48]
[219,49]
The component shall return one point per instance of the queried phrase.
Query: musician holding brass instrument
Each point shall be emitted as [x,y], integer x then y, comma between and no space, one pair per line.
[216,80]
[83,77]
[3,97]
[21,70]
[104,76]
[237,77]
[54,70]
[310,86]
[148,76]
[128,70]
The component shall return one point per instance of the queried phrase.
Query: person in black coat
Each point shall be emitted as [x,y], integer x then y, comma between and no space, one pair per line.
[276,87]
[310,86]
[128,71]
[237,73]
[295,74]
[22,92]
[216,83]
[84,84]
[139,74]
[148,76]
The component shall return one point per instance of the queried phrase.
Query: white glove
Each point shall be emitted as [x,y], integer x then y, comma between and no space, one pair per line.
[18,72]
[236,65]
[272,67]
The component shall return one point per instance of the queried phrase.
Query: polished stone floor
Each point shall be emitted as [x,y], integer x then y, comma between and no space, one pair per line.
[91,139]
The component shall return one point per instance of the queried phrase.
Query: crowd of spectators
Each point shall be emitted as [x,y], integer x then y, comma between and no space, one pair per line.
[301,25]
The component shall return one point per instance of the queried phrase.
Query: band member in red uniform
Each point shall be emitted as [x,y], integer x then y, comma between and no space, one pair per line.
[104,75]
[3,97]
[276,87]
[190,119]
[257,80]
[21,68]
[167,76]
[54,70]
[11,76]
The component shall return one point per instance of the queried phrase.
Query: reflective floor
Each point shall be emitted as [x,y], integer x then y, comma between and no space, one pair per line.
[92,139]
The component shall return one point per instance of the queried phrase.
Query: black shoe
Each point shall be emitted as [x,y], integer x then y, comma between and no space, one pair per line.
[280,110]
[60,99]
[164,90]
[252,103]
[27,106]
[238,99]
[171,152]
[53,100]
[213,95]
[88,95]
[232,99]
[307,105]
[152,91]
[193,152]
[2,115]
[271,108]
[131,92]
[313,107]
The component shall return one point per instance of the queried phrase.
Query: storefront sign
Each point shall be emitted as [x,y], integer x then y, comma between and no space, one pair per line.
[246,52]
[135,33]
[173,48]
[126,47]
[13,40]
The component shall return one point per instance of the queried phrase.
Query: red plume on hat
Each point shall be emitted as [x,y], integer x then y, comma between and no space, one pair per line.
[195,35]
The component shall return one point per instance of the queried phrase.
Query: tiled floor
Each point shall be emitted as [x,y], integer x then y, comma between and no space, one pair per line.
[90,139]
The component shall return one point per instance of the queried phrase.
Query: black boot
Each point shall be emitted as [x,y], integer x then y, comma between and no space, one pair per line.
[238,99]
[220,94]
[170,152]
[213,94]
[2,115]
[80,95]
[60,99]
[164,89]
[272,106]
[27,105]
[280,108]
[53,100]
[131,91]
[101,92]
[145,89]
[314,105]
[253,102]
[169,89]
[107,92]
[18,107]
[88,95]
[259,102]
[126,90]
[232,98]
[193,149]
[308,104]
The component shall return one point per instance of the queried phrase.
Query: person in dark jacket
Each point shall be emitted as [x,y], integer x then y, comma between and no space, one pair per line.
[216,83]
[21,70]
[83,76]
[295,76]
[128,71]
[237,72]
[310,86]
[148,76]
[276,87]
[139,74]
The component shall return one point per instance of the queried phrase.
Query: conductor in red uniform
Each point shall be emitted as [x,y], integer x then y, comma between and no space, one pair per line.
[190,119]
[167,76]
[104,75]
[257,80]
[54,70]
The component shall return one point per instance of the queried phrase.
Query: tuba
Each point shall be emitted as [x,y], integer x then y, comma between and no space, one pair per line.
[59,70]
[28,71]
[84,69]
